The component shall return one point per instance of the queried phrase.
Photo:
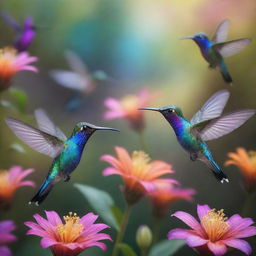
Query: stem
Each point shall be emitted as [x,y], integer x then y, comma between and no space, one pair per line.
[156,230]
[121,232]
[248,203]
[143,252]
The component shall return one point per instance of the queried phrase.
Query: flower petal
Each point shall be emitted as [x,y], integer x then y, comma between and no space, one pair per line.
[179,233]
[194,241]
[202,210]
[217,248]
[240,245]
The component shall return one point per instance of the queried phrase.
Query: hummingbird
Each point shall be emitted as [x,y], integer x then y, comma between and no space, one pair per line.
[51,141]
[207,124]
[24,34]
[214,50]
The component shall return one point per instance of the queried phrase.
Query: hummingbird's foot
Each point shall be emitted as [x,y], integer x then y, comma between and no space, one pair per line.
[67,178]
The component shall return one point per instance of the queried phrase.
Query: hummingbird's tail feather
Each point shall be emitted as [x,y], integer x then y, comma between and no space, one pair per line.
[43,191]
[225,74]
[218,173]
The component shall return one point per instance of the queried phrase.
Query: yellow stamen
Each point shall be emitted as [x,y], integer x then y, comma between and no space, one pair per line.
[252,155]
[215,225]
[4,180]
[140,162]
[71,230]
[130,103]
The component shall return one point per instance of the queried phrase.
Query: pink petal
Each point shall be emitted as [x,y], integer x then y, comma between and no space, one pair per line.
[27,183]
[179,233]
[53,218]
[5,251]
[110,171]
[43,222]
[189,220]
[98,244]
[88,219]
[240,245]
[194,241]
[30,68]
[202,210]
[217,248]
[113,115]
[48,242]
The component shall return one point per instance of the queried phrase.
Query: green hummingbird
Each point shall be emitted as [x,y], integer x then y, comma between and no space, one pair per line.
[51,141]
[207,124]
[216,49]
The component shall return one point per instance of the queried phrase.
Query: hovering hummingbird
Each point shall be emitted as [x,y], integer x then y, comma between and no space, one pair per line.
[24,34]
[214,50]
[207,124]
[51,141]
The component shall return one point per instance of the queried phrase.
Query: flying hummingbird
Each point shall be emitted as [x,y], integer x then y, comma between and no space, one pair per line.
[214,50]
[51,141]
[207,124]
[24,34]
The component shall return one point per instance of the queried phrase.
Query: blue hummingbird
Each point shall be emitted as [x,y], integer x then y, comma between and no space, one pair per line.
[24,34]
[207,124]
[214,50]
[51,141]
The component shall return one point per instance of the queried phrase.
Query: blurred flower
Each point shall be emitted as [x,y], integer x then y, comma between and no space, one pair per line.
[214,232]
[144,237]
[10,181]
[12,62]
[164,195]
[139,173]
[6,227]
[72,237]
[127,108]
[246,162]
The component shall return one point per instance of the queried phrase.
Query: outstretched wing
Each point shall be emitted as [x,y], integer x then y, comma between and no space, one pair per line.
[232,47]
[11,21]
[75,63]
[70,79]
[221,32]
[225,124]
[36,139]
[212,108]
[46,125]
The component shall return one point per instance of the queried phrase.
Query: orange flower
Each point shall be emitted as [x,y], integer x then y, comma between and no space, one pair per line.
[164,195]
[12,62]
[246,162]
[10,181]
[127,107]
[139,173]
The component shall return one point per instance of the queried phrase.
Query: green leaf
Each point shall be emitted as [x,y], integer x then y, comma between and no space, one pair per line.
[166,247]
[101,202]
[126,250]
[20,97]
[17,147]
[117,214]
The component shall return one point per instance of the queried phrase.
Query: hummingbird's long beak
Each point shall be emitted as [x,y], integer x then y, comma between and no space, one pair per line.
[153,109]
[106,128]
[186,37]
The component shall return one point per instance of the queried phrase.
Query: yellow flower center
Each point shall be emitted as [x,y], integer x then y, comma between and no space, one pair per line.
[7,67]
[130,103]
[215,225]
[140,163]
[71,230]
[252,155]
[4,180]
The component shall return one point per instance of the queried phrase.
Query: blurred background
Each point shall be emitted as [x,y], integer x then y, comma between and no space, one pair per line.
[137,44]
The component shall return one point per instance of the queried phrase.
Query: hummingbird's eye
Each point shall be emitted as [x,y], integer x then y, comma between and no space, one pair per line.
[82,128]
[171,110]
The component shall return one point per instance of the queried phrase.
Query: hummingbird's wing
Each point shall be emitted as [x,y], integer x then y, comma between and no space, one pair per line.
[225,124]
[212,108]
[11,21]
[221,32]
[36,139]
[45,124]
[75,63]
[232,47]
[70,79]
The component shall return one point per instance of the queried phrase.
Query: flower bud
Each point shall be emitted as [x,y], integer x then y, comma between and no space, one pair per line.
[144,237]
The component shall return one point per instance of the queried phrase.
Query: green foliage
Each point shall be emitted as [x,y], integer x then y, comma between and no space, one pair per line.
[20,98]
[126,250]
[17,147]
[166,247]
[102,203]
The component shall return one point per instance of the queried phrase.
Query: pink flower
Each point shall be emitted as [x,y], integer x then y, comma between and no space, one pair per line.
[214,232]
[164,195]
[127,108]
[10,181]
[69,238]
[11,62]
[139,173]
[6,227]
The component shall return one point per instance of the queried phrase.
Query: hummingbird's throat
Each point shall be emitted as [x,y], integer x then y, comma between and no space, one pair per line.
[215,225]
[71,230]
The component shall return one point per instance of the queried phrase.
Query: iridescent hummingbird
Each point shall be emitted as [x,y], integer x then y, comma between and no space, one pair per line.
[24,34]
[207,124]
[216,49]
[51,141]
